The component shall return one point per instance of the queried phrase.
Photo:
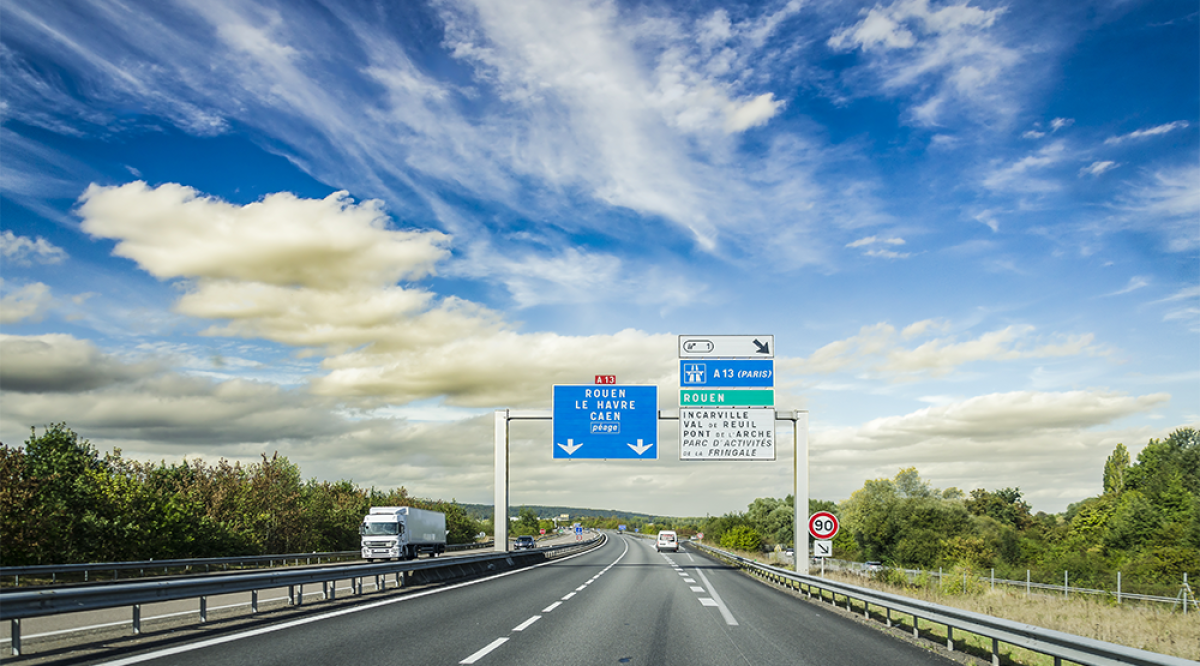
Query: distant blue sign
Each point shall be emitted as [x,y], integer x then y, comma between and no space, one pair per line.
[726,373]
[605,421]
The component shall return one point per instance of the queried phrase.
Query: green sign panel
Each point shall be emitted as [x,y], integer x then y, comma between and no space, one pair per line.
[727,398]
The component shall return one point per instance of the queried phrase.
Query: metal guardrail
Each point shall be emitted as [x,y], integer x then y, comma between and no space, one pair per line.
[208,563]
[1057,644]
[17,604]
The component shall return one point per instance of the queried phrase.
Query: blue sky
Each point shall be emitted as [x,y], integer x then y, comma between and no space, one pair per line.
[348,232]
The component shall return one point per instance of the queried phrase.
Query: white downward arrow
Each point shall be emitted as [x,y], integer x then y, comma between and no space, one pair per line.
[640,448]
[571,447]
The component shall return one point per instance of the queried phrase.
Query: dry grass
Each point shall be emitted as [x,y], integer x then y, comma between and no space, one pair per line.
[1152,627]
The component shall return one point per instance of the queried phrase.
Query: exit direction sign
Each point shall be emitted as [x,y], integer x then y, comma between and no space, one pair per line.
[605,421]
[726,346]
[726,373]
[727,398]
[707,433]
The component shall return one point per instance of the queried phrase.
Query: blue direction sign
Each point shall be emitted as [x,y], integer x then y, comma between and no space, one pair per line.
[605,421]
[709,372]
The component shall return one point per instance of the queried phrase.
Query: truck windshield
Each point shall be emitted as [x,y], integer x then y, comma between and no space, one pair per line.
[379,529]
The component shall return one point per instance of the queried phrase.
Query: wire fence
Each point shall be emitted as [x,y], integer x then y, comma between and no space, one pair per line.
[1184,599]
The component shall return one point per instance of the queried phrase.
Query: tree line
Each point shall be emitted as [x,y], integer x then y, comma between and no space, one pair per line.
[1145,524]
[63,502]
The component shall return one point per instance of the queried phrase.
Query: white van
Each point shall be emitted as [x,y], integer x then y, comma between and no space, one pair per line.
[667,541]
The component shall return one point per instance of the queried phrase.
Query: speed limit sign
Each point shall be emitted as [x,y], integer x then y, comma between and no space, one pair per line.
[823,525]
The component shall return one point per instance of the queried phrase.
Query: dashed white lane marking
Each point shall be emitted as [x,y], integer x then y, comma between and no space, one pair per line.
[697,588]
[190,647]
[689,580]
[484,652]
[524,625]
[707,602]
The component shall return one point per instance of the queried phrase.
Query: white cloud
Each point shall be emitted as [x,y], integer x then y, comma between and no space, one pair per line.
[873,247]
[23,251]
[59,363]
[1186,293]
[1136,282]
[1150,131]
[1020,176]
[753,113]
[321,274]
[1166,201]
[173,231]
[1060,123]
[947,53]
[878,349]
[1097,168]
[29,302]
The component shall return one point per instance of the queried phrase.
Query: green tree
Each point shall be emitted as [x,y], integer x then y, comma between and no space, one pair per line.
[741,537]
[23,518]
[527,522]
[1114,470]
[1004,506]
[66,468]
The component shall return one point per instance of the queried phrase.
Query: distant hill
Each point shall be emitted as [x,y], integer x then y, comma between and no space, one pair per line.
[484,512]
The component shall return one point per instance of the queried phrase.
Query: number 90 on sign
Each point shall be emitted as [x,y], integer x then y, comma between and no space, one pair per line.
[823,525]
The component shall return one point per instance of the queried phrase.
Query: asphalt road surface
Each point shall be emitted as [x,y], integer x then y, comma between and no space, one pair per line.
[622,603]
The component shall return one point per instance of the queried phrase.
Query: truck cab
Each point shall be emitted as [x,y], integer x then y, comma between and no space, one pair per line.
[401,532]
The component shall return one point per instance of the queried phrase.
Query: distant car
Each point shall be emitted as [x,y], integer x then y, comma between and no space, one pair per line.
[873,566]
[525,542]
[667,541]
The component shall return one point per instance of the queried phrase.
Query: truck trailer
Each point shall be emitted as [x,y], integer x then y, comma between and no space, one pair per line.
[402,532]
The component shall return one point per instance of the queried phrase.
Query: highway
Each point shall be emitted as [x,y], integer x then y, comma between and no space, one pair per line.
[622,603]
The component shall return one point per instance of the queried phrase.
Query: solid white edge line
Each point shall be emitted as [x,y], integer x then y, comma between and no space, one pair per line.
[483,653]
[729,619]
[136,659]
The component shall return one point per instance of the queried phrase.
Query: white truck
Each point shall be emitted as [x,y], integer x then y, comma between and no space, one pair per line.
[402,532]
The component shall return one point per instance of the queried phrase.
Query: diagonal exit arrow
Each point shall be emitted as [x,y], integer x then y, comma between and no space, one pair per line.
[571,447]
[639,448]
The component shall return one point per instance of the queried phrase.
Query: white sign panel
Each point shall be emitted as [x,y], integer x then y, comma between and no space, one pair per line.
[822,549]
[708,433]
[726,346]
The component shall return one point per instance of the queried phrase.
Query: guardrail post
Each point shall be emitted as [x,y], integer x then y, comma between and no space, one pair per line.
[203,610]
[137,619]
[291,595]
[15,631]
[995,652]
[916,631]
[253,601]
[950,638]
